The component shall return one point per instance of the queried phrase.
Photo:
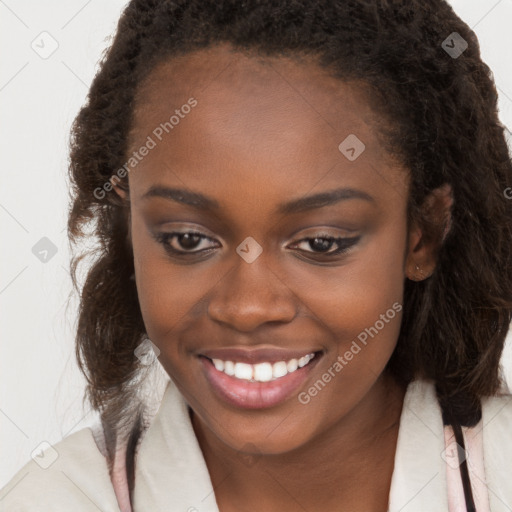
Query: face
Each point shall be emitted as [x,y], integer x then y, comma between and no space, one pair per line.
[288,238]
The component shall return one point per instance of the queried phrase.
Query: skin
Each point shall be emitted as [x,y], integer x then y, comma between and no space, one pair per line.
[264,132]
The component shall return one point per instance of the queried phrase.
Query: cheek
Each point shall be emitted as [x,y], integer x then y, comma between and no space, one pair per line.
[350,298]
[360,308]
[170,295]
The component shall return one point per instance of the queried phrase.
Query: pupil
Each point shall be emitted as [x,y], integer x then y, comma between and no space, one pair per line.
[325,245]
[188,240]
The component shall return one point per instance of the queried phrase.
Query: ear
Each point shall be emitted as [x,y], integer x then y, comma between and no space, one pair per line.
[126,211]
[427,235]
[121,192]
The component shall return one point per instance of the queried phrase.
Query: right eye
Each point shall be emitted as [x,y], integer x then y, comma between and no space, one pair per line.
[182,243]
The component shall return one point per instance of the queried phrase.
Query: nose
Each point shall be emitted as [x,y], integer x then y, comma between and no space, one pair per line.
[251,294]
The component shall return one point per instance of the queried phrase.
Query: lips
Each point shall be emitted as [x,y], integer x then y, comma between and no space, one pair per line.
[248,393]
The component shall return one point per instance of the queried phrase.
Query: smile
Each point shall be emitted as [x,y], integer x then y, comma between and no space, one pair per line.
[261,372]
[259,385]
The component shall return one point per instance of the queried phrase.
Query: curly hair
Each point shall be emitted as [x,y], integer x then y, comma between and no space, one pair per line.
[443,125]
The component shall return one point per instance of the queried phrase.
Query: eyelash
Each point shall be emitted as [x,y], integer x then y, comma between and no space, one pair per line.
[344,243]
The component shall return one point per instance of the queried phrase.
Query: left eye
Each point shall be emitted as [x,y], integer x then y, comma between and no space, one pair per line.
[321,244]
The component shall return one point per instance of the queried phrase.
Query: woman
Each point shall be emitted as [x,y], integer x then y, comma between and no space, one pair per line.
[301,205]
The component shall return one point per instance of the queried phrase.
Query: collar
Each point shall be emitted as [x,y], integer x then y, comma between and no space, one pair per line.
[171,468]
[419,476]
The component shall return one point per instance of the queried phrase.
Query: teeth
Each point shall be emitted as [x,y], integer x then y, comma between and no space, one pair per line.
[261,372]
[279,369]
[219,364]
[303,361]
[243,371]
[292,365]
[229,367]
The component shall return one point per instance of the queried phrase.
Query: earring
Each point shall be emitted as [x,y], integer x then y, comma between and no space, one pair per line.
[422,273]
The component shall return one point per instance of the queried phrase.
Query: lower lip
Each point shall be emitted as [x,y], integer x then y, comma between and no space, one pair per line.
[255,395]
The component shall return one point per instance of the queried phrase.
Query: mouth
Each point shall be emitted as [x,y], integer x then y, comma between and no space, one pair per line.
[260,385]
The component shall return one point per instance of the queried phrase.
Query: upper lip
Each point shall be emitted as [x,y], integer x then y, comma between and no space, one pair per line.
[256,355]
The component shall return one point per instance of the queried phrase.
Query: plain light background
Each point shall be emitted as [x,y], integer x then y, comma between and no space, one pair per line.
[41,388]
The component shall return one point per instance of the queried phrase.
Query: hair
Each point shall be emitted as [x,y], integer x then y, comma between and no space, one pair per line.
[441,114]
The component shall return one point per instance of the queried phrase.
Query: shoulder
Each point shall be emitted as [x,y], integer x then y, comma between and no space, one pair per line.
[497,413]
[70,475]
[497,423]
[496,429]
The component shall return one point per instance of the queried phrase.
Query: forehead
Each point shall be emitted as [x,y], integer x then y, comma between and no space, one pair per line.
[229,82]
[257,118]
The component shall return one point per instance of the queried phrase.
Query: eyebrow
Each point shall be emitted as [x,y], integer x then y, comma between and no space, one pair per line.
[202,202]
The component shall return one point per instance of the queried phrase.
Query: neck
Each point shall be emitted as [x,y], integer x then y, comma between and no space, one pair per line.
[348,467]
